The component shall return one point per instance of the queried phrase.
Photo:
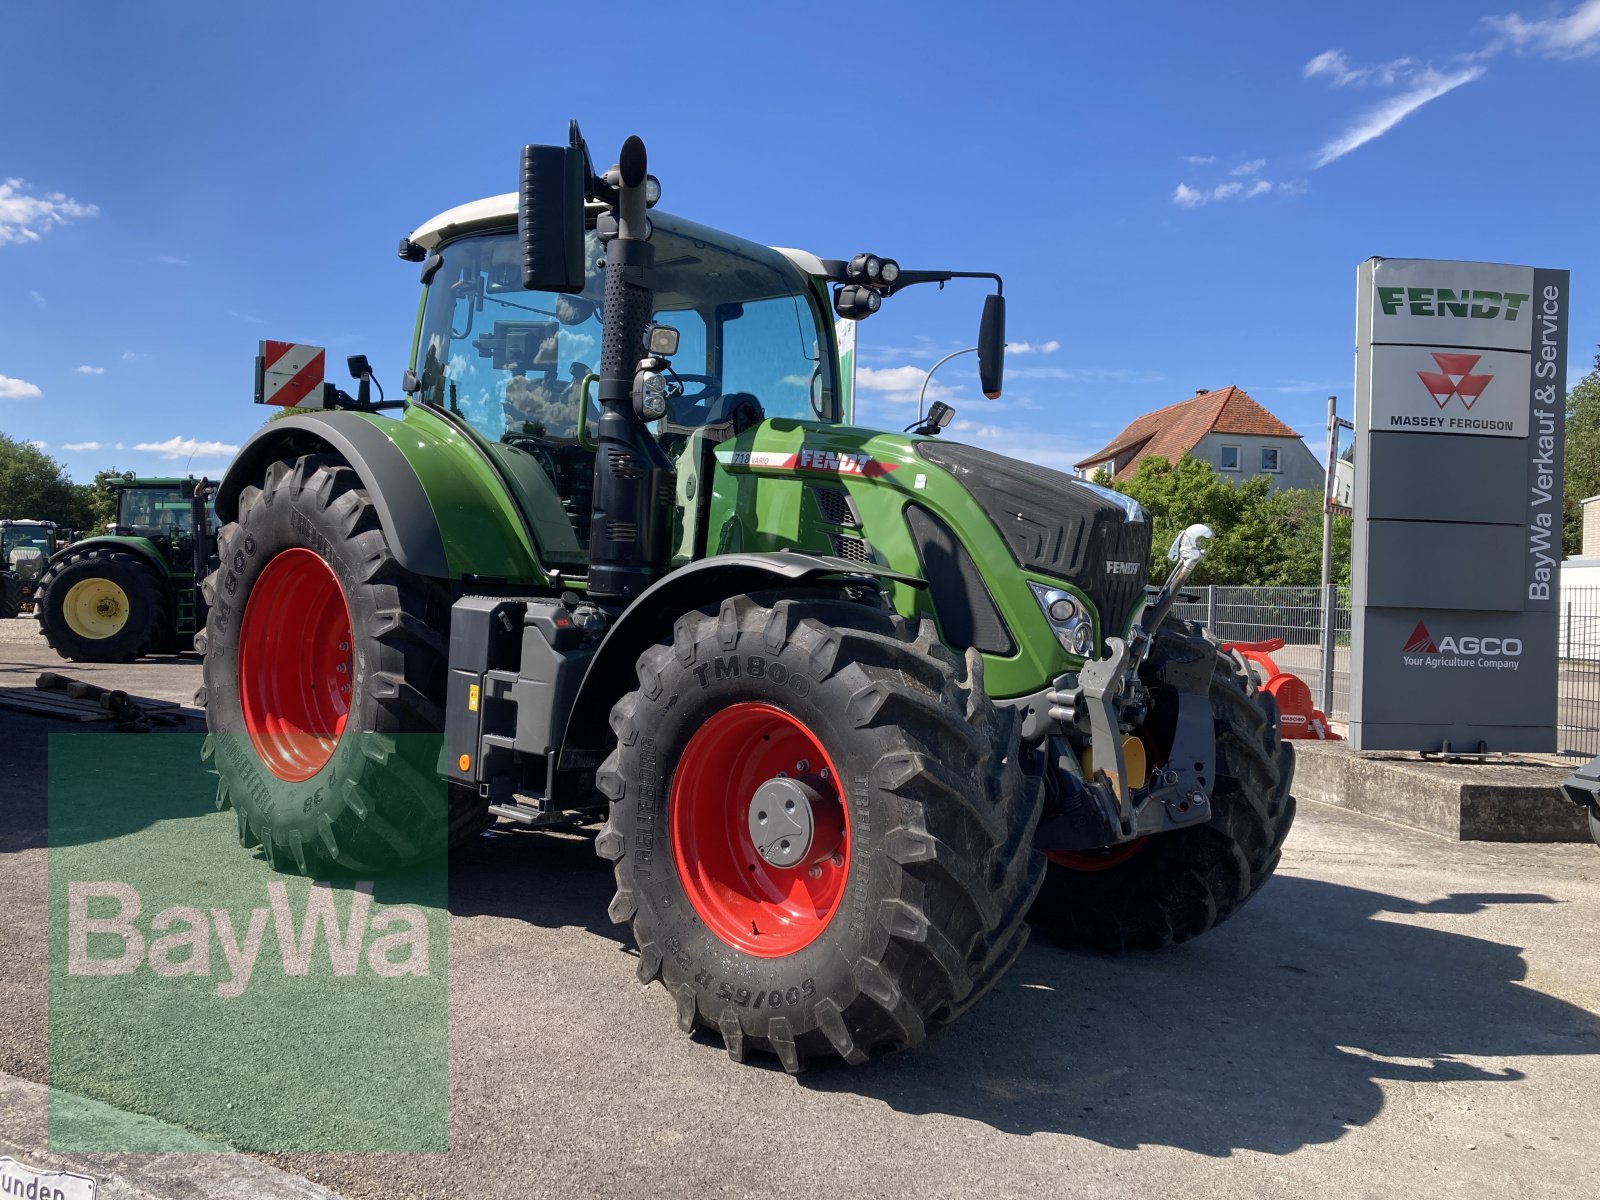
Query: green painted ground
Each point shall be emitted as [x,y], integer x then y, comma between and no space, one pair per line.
[339,1057]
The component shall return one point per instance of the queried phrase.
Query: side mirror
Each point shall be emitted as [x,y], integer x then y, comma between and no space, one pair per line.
[550,218]
[992,346]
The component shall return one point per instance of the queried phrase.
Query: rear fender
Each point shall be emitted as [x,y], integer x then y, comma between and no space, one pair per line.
[413,470]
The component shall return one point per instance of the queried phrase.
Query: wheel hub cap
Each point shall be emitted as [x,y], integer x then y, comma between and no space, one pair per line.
[95,608]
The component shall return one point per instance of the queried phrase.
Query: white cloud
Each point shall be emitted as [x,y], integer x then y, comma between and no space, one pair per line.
[38,300]
[1575,35]
[130,356]
[1430,85]
[247,318]
[172,260]
[119,446]
[1095,375]
[182,447]
[975,430]
[18,389]
[1049,347]
[80,446]
[1200,160]
[899,385]
[1336,67]
[88,370]
[1254,167]
[1233,189]
[25,218]
[40,445]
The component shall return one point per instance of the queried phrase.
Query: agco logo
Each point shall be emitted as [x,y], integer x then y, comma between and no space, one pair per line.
[1421,649]
[1454,378]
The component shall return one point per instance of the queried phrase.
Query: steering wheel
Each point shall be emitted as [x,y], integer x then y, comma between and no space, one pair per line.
[693,407]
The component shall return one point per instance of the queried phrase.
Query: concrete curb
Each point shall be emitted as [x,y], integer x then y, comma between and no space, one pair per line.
[221,1174]
[1511,800]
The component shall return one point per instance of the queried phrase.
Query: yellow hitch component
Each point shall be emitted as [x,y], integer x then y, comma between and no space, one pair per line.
[1133,757]
[95,609]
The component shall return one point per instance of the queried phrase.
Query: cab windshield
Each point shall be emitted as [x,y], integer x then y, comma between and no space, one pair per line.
[156,508]
[512,362]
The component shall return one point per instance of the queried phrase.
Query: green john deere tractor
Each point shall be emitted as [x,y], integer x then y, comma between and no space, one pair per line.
[133,590]
[24,548]
[848,707]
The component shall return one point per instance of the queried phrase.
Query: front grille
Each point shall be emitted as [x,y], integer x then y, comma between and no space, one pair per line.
[967,612]
[835,507]
[853,548]
[1054,525]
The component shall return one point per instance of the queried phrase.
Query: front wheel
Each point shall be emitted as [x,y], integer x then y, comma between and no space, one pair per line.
[104,603]
[821,833]
[1170,887]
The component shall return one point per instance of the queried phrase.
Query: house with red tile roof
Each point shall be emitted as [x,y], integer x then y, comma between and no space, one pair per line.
[1225,428]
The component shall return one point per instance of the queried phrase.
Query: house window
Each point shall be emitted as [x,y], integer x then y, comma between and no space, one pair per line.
[1269,458]
[1230,458]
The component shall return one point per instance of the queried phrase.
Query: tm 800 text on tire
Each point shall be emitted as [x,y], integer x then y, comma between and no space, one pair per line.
[821,834]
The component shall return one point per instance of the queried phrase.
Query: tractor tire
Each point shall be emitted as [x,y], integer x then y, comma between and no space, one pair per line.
[910,894]
[1594,823]
[1170,887]
[324,673]
[10,596]
[103,604]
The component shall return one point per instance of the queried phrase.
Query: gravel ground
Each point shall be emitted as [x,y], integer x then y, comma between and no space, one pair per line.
[1395,1014]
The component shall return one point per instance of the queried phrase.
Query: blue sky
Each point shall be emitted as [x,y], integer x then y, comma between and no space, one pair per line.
[1177,194]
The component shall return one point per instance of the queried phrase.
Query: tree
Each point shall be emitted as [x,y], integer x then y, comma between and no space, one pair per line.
[1582,457]
[1261,538]
[35,486]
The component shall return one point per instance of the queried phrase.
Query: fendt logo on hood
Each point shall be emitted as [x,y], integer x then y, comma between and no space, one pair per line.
[1422,650]
[1454,378]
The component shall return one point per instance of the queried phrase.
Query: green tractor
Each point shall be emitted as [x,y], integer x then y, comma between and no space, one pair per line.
[24,548]
[846,708]
[133,590]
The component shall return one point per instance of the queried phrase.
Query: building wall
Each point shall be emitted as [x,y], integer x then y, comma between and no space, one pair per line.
[1297,466]
[1591,528]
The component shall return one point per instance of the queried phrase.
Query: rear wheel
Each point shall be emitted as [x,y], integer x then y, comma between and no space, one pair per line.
[324,662]
[1170,887]
[103,604]
[821,832]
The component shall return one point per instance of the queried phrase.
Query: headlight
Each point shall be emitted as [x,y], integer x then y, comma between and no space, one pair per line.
[1069,619]
[650,395]
[889,271]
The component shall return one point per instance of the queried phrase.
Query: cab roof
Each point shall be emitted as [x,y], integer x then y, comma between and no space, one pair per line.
[494,212]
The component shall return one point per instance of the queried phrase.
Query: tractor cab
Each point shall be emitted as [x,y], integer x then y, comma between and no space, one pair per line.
[754,342]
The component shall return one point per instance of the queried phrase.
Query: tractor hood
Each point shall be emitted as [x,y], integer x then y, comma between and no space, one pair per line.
[989,534]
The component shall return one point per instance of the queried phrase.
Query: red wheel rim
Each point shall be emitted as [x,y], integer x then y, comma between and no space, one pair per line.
[752,905]
[1097,860]
[295,664]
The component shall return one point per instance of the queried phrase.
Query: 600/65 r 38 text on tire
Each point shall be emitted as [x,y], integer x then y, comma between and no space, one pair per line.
[903,898]
[324,665]
[103,604]
[1171,887]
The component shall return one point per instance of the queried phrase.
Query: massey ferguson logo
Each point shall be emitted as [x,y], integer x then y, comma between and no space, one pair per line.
[1421,650]
[1454,378]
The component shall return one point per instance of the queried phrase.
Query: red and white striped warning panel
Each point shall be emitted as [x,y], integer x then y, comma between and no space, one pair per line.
[289,374]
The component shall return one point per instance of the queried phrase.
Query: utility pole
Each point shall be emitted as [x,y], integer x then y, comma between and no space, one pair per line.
[1328,597]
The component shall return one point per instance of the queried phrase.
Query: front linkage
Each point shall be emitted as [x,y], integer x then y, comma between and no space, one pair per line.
[1117,800]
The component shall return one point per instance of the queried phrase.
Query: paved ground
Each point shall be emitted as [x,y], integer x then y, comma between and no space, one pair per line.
[1396,1014]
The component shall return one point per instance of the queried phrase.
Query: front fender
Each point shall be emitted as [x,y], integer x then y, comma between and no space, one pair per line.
[137,545]
[650,618]
[445,511]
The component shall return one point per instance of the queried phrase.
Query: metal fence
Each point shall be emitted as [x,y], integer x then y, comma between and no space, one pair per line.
[1298,616]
